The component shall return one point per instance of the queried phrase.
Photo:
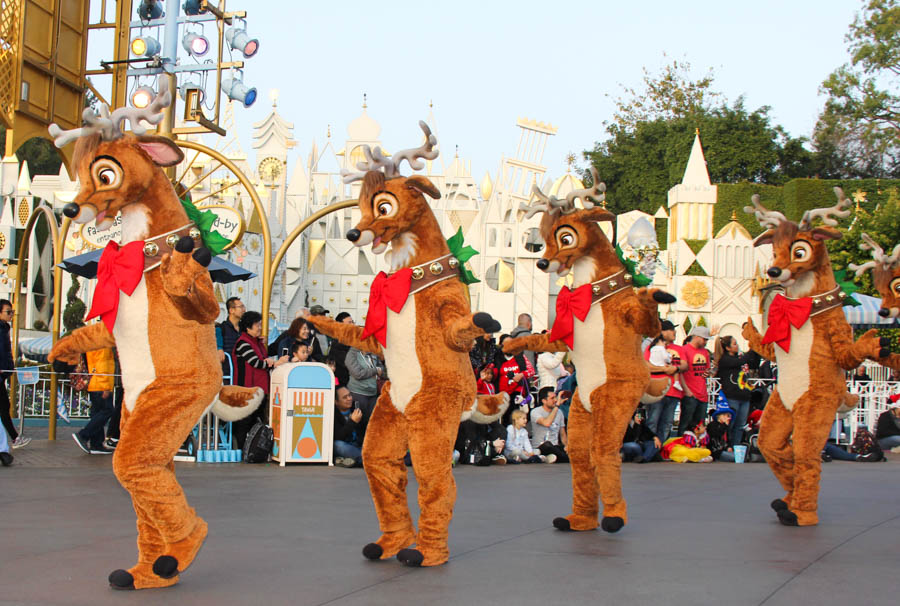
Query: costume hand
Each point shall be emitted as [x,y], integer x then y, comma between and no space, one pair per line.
[356,416]
[64,351]
[749,330]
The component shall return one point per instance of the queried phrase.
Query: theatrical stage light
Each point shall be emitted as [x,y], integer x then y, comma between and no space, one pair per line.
[142,96]
[145,46]
[184,88]
[236,90]
[192,7]
[195,44]
[239,40]
[149,9]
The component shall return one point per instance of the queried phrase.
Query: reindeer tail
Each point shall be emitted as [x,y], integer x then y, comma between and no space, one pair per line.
[848,403]
[235,403]
[656,389]
[486,409]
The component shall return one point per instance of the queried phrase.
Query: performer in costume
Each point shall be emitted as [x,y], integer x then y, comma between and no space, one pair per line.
[812,343]
[601,322]
[420,322]
[155,298]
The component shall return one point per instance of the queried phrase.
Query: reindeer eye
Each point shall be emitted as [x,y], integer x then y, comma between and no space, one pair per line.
[107,174]
[895,286]
[566,237]
[800,251]
[384,204]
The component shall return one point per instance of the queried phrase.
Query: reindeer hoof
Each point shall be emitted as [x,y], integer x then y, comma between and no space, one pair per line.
[663,297]
[788,517]
[185,244]
[884,352]
[372,551]
[778,505]
[203,256]
[411,557]
[485,322]
[121,579]
[612,524]
[884,342]
[562,524]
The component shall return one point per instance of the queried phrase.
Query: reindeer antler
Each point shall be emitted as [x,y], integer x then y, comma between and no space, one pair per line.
[827,215]
[545,205]
[377,160]
[878,256]
[769,219]
[590,196]
[109,126]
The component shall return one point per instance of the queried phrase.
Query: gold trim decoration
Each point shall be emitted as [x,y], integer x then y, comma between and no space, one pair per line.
[695,293]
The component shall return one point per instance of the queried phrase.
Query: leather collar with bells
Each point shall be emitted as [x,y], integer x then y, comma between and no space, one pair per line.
[610,285]
[434,271]
[163,244]
[827,300]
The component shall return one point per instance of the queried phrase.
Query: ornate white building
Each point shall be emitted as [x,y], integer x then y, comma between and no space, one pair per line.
[713,275]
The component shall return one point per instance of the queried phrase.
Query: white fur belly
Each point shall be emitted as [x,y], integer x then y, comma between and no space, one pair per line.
[793,367]
[133,343]
[588,354]
[400,356]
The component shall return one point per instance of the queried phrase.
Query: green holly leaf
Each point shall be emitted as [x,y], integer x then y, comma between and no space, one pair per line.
[848,287]
[637,278]
[204,220]
[463,253]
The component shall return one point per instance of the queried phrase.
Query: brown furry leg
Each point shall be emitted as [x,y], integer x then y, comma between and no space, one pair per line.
[145,469]
[382,452]
[432,430]
[812,422]
[584,480]
[775,429]
[150,547]
[613,406]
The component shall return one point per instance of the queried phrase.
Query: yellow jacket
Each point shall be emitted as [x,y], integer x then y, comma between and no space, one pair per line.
[101,362]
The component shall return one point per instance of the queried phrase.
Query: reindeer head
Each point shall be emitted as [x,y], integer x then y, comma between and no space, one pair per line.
[571,233]
[885,275]
[801,262]
[391,204]
[116,170]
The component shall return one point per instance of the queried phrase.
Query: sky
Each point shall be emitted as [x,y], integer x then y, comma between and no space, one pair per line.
[485,64]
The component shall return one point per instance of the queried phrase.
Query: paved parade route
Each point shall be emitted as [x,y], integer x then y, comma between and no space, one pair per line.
[698,534]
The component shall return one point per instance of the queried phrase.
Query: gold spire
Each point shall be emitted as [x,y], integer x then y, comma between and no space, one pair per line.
[697,131]
[329,131]
[431,104]
[364,101]
[570,161]
[733,215]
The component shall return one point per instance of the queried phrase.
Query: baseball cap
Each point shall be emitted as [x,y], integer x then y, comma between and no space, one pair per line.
[666,325]
[699,331]
[318,310]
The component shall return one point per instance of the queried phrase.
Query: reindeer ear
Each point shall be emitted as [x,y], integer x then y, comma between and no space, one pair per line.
[820,234]
[764,238]
[599,214]
[161,150]
[423,185]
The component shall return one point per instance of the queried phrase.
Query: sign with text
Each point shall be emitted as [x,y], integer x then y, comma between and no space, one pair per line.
[99,239]
[229,223]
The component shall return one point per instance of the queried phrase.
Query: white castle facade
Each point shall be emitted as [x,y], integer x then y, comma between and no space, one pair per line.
[323,268]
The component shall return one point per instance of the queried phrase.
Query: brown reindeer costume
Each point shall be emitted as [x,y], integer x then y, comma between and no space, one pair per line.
[813,344]
[886,276]
[420,322]
[156,302]
[601,322]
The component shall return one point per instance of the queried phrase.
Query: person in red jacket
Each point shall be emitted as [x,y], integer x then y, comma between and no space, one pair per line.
[485,384]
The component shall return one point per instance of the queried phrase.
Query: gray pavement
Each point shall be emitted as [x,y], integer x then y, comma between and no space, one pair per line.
[698,534]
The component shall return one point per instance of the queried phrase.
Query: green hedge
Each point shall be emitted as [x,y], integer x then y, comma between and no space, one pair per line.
[795,197]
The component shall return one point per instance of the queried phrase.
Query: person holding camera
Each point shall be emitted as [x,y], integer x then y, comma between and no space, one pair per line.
[349,429]
[640,444]
[548,425]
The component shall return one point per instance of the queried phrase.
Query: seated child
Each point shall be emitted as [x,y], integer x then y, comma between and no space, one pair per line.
[689,447]
[640,444]
[299,352]
[518,446]
[719,443]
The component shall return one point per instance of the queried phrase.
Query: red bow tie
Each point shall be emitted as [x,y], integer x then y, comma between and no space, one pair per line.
[784,313]
[387,291]
[570,303]
[119,269]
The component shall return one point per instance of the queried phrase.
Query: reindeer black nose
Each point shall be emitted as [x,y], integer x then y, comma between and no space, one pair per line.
[884,312]
[774,272]
[353,235]
[543,264]
[71,210]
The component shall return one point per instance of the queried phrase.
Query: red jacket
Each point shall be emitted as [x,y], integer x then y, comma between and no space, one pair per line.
[512,365]
[247,374]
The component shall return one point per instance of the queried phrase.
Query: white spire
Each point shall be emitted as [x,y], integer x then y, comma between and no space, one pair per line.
[696,174]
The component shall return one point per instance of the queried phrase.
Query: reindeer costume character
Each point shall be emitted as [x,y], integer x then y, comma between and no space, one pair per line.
[886,276]
[601,321]
[810,339]
[156,303]
[420,322]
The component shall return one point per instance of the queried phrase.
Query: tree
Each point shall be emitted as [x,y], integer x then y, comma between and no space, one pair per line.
[858,132]
[639,164]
